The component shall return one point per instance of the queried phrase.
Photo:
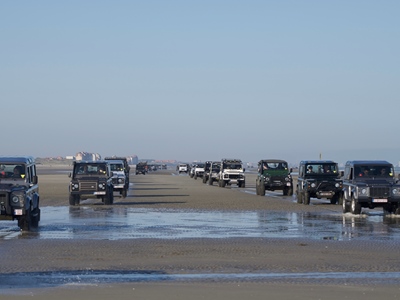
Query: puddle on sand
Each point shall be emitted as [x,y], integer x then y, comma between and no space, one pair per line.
[114,223]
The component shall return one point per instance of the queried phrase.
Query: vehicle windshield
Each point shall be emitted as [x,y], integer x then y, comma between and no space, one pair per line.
[374,171]
[200,165]
[275,166]
[117,167]
[234,166]
[322,169]
[90,169]
[16,171]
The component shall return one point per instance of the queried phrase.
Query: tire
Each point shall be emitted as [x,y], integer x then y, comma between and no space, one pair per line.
[388,209]
[74,200]
[124,193]
[285,191]
[334,199]
[345,206]
[290,192]
[355,206]
[35,217]
[306,199]
[257,190]
[210,181]
[204,179]
[109,198]
[195,176]
[242,184]
[262,189]
[299,197]
[25,222]
[223,183]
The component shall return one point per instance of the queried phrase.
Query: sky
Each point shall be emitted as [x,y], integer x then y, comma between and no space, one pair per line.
[201,80]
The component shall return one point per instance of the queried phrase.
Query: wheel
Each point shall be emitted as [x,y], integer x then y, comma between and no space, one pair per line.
[74,200]
[257,190]
[262,189]
[355,206]
[285,191]
[210,181]
[306,199]
[195,176]
[109,198]
[204,179]
[345,206]
[299,197]
[25,222]
[397,211]
[290,192]
[35,217]
[223,183]
[242,184]
[124,193]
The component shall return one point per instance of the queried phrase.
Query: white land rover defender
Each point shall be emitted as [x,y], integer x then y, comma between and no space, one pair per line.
[231,172]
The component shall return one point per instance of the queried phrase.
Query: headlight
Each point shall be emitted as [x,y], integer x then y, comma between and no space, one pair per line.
[287,178]
[364,191]
[337,185]
[120,180]
[266,178]
[313,185]
[102,186]
[396,192]
[15,199]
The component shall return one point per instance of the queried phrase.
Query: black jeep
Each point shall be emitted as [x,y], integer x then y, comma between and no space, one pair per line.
[92,179]
[141,168]
[214,172]
[206,173]
[370,184]
[274,174]
[19,191]
[318,179]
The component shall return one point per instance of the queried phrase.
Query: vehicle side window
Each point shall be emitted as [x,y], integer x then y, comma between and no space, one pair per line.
[29,174]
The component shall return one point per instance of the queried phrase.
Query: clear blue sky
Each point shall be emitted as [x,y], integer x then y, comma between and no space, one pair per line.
[200,80]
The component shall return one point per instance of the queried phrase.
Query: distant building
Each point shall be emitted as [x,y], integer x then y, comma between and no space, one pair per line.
[86,156]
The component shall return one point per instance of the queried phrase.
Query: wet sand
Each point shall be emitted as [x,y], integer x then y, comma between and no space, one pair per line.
[198,256]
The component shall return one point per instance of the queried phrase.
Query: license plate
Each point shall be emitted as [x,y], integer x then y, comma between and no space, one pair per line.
[379,200]
[18,212]
[99,193]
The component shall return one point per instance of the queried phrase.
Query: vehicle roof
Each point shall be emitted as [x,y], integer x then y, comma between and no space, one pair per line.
[116,158]
[273,160]
[115,161]
[368,162]
[17,159]
[91,162]
[318,162]
[231,160]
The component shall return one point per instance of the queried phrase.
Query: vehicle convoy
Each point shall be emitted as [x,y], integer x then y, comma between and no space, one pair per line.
[274,174]
[19,191]
[371,184]
[206,173]
[231,172]
[91,179]
[318,179]
[141,168]
[118,177]
[127,168]
[214,172]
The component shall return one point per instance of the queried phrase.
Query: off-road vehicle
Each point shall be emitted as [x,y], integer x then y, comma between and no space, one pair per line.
[274,174]
[319,179]
[206,173]
[214,172]
[118,177]
[370,183]
[127,167]
[231,172]
[19,191]
[141,168]
[198,170]
[91,179]
[182,168]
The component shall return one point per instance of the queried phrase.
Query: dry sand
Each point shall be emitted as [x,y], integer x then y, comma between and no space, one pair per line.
[199,256]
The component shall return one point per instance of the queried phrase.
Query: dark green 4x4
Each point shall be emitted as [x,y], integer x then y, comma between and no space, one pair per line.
[19,191]
[91,179]
[370,184]
[319,179]
[274,174]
